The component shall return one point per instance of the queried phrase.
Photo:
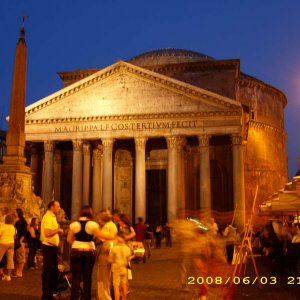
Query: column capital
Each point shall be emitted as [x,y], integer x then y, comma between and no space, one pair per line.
[204,140]
[86,149]
[49,146]
[140,142]
[97,151]
[107,142]
[77,145]
[176,142]
[236,139]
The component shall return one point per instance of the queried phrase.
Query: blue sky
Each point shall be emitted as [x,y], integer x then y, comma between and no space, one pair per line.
[66,35]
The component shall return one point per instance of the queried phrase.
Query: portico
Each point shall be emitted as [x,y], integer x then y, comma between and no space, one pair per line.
[105,128]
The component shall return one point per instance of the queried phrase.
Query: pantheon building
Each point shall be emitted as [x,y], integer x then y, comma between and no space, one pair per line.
[166,131]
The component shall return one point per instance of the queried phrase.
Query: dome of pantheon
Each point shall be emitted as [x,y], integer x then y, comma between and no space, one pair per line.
[168,56]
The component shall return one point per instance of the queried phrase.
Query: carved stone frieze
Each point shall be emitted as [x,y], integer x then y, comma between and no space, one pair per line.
[162,116]
[176,142]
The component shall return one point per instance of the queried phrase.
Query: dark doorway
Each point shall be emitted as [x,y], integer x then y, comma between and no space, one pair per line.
[220,189]
[156,193]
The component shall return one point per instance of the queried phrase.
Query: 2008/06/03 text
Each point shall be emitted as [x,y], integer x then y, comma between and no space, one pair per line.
[290,280]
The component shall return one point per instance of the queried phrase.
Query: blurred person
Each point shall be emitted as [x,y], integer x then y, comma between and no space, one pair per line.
[116,217]
[33,242]
[4,211]
[213,226]
[286,237]
[158,236]
[126,228]
[296,236]
[120,256]
[50,232]
[7,239]
[293,251]
[277,226]
[140,230]
[167,234]
[230,234]
[19,256]
[81,236]
[204,254]
[148,239]
[128,233]
[109,229]
[273,249]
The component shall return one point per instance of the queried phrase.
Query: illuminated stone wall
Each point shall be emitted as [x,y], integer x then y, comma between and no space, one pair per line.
[265,156]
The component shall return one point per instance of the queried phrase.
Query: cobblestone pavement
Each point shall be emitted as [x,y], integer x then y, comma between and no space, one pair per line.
[159,279]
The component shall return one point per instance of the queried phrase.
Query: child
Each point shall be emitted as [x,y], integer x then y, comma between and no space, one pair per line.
[120,256]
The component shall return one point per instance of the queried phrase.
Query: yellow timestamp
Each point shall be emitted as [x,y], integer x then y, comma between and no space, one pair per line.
[293,280]
[236,280]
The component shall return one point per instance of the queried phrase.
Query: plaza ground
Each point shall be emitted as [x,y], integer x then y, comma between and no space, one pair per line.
[159,279]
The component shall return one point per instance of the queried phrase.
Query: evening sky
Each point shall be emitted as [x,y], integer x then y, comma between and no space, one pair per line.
[65,35]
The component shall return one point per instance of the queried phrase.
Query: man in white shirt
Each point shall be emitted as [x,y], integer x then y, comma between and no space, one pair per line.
[50,241]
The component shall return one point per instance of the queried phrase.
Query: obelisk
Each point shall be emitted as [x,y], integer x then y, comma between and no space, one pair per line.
[15,176]
[14,160]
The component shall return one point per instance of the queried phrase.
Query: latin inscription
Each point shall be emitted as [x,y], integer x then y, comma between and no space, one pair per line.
[127,126]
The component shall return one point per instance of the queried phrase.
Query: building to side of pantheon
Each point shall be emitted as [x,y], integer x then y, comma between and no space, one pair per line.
[166,132]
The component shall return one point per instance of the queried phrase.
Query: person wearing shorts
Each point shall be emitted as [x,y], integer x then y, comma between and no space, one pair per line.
[7,235]
[120,256]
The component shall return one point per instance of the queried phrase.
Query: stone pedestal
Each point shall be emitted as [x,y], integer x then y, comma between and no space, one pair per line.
[16,192]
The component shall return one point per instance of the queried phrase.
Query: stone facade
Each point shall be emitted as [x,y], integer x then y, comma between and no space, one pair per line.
[167,130]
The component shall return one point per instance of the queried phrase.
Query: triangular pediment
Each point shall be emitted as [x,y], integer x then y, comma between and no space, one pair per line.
[125,89]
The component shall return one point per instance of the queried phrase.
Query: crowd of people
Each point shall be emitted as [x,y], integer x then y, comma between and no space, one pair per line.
[279,240]
[14,233]
[103,245]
